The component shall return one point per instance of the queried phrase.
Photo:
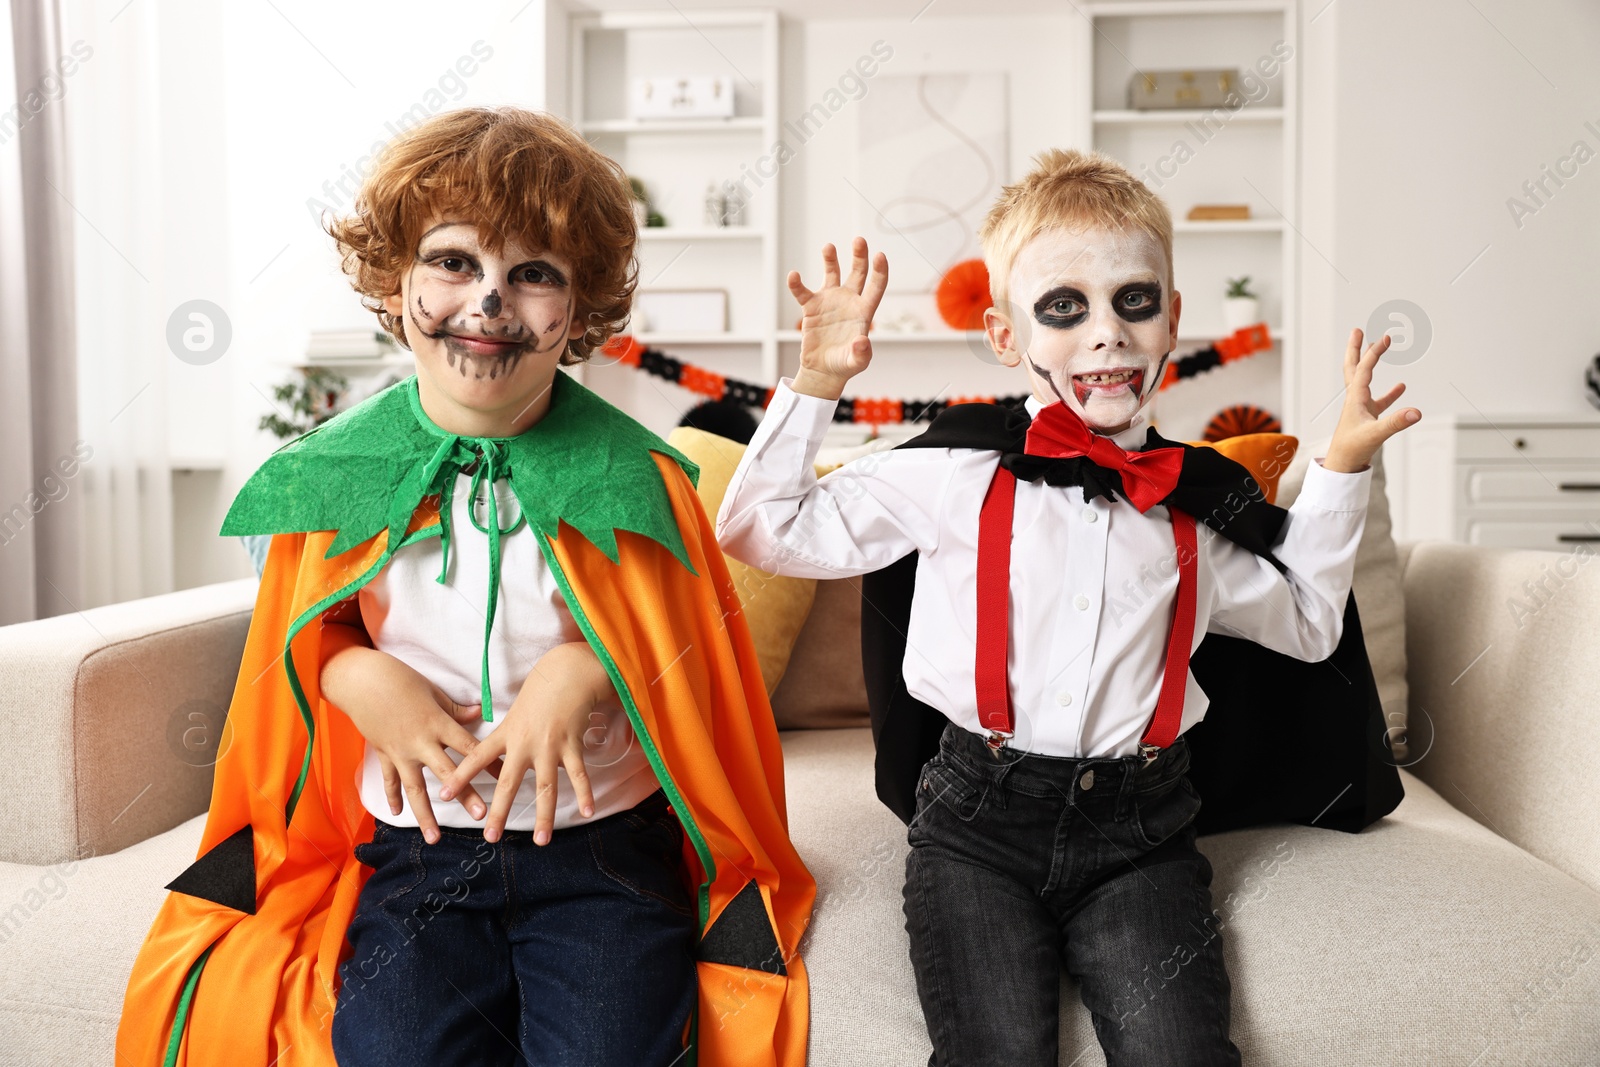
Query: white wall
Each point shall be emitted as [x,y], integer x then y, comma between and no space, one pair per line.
[1044,101]
[1422,120]
[1419,122]
[272,112]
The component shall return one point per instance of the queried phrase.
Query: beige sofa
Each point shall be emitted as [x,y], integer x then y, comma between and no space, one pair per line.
[1461,930]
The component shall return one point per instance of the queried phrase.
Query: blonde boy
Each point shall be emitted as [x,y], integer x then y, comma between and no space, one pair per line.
[1055,824]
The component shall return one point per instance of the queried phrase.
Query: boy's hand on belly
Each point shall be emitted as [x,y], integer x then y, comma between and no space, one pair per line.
[833,329]
[541,732]
[409,721]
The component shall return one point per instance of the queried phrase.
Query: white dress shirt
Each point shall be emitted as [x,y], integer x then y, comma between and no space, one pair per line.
[437,629]
[1092,584]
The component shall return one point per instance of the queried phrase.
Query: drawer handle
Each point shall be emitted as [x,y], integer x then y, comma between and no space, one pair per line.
[1581,487]
[1570,538]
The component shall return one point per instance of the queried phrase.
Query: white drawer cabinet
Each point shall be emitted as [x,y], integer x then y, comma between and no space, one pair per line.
[1507,481]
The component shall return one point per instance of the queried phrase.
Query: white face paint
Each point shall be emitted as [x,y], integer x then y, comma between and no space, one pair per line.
[1093,319]
[487,328]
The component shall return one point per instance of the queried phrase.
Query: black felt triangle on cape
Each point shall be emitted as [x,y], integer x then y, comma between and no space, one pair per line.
[1282,740]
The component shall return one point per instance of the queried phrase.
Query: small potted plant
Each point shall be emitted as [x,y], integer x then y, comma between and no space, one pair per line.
[1241,308]
[644,212]
[311,401]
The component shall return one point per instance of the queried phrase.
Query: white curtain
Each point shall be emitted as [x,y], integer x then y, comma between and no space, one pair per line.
[41,476]
[113,122]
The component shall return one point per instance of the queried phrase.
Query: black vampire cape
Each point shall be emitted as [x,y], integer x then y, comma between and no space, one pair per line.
[1283,740]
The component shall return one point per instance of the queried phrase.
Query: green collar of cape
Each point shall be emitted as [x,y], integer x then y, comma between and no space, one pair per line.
[367,469]
[586,463]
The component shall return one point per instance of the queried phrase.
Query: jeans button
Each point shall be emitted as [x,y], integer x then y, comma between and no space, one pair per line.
[1086,783]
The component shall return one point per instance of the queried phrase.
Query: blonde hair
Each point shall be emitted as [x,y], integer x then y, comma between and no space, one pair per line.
[511,172]
[1068,188]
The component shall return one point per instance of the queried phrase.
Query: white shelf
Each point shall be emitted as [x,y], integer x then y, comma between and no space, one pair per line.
[195,464]
[881,336]
[674,156]
[1169,116]
[1146,8]
[1187,337]
[1228,226]
[698,339]
[394,361]
[675,19]
[738,124]
[701,233]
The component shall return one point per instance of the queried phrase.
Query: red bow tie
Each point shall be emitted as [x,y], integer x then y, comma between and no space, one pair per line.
[1147,477]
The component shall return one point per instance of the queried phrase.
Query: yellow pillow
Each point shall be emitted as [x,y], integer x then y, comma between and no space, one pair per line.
[775,607]
[1265,455]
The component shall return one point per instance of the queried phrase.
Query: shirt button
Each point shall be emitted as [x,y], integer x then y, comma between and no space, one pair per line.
[1080,602]
[1086,783]
[1063,698]
[1091,515]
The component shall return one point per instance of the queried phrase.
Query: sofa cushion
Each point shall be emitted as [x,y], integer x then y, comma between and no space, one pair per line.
[70,937]
[118,714]
[774,607]
[1378,591]
[1425,939]
[1503,649]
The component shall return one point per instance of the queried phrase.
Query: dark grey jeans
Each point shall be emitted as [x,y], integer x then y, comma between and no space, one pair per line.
[1022,864]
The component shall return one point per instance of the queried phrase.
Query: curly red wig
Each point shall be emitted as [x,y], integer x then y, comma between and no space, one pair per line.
[511,172]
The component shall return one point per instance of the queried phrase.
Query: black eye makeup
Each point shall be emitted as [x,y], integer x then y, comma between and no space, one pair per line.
[1138,301]
[538,272]
[1061,308]
[456,261]
[452,261]
[1064,307]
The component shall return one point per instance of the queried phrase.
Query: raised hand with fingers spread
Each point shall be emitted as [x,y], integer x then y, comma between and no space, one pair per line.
[833,330]
[1360,431]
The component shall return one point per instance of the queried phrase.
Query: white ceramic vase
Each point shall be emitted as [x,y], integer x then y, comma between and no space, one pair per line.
[1239,312]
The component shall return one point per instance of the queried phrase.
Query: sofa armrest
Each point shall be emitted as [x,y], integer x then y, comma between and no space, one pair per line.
[112,718]
[1504,664]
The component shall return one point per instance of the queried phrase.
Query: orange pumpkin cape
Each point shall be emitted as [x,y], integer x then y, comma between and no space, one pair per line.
[240,966]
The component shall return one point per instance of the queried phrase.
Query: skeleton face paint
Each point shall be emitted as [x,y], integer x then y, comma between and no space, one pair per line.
[1093,321]
[480,313]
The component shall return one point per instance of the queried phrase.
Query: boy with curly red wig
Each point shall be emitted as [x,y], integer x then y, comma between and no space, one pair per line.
[503,566]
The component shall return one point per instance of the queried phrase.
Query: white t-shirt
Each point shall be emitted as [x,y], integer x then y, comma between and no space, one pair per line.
[437,629]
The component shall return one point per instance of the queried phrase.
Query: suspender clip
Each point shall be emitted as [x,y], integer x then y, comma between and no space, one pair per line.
[996,741]
[1149,752]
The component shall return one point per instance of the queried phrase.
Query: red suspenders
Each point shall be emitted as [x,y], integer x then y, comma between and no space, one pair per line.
[994,594]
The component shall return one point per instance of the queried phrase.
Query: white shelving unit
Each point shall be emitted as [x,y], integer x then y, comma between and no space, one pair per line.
[1248,155]
[678,158]
[1251,159]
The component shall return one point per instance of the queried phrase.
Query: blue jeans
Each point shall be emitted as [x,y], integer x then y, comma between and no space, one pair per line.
[577,952]
[1022,864]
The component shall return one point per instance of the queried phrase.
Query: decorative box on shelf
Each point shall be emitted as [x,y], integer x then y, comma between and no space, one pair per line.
[703,97]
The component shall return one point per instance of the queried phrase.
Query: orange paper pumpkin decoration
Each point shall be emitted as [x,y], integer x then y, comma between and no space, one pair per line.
[963,295]
[1239,420]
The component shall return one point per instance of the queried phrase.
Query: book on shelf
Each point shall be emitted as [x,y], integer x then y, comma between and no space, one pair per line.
[328,346]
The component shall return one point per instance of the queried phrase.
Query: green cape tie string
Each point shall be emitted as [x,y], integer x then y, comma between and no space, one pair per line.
[488,458]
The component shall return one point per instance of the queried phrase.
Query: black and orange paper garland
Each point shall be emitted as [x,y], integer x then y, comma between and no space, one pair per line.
[879,412]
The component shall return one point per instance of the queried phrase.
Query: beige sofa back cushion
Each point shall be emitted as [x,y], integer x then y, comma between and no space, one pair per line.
[112,718]
[1377,587]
